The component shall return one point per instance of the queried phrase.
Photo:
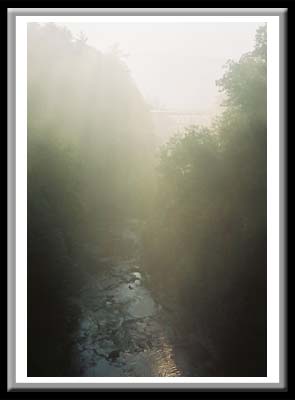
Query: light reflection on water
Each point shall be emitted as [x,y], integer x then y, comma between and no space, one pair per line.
[158,361]
[121,331]
[164,362]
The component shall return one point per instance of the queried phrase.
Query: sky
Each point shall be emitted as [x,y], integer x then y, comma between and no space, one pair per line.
[175,65]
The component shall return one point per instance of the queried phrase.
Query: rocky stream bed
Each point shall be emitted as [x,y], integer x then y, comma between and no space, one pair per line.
[123,331]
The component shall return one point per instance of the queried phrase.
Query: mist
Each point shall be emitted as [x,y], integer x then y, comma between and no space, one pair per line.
[173,63]
[147,199]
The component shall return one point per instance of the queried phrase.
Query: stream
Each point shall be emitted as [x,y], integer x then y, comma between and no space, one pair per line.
[123,331]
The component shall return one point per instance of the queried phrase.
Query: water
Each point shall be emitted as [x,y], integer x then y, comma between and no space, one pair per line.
[123,331]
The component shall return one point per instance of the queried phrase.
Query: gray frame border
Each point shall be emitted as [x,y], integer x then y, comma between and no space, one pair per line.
[11,92]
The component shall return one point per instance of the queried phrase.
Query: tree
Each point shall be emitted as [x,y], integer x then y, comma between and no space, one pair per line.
[89,163]
[208,241]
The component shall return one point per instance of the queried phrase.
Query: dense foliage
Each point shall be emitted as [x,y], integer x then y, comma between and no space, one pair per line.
[206,245]
[90,149]
[91,163]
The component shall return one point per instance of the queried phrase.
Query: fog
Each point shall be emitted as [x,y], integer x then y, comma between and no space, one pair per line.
[175,65]
[146,203]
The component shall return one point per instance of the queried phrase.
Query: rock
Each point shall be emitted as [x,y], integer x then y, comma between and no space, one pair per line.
[141,326]
[113,355]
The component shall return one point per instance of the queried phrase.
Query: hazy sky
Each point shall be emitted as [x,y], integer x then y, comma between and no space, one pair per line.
[175,65]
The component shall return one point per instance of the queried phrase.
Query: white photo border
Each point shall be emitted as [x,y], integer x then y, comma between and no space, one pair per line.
[273,201]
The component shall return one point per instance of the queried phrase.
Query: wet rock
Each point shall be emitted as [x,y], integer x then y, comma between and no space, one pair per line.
[113,355]
[143,307]
[141,326]
[102,368]
[121,331]
[105,346]
[117,324]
